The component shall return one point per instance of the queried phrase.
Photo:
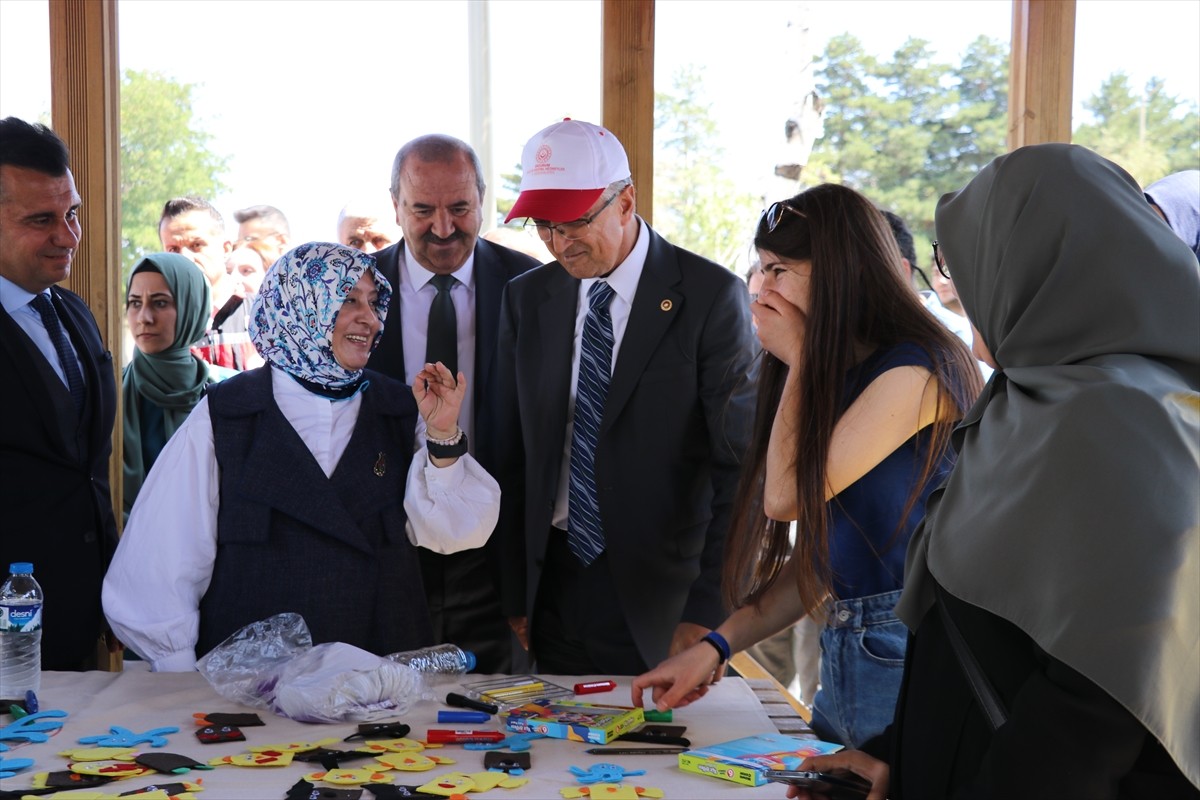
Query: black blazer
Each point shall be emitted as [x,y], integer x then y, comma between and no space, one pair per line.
[54,488]
[495,265]
[675,425]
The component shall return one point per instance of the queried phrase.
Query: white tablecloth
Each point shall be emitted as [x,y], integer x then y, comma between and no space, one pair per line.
[140,700]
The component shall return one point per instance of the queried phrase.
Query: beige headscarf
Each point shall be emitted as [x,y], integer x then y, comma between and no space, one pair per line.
[1074,508]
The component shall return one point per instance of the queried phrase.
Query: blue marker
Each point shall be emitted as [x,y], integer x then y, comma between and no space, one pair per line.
[462,716]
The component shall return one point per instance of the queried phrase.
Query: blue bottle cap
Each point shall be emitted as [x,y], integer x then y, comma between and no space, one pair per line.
[470,656]
[25,568]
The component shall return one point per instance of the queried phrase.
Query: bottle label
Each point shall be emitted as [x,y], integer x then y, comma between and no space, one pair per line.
[21,619]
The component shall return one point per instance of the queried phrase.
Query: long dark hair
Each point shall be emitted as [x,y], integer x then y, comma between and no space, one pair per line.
[858,296]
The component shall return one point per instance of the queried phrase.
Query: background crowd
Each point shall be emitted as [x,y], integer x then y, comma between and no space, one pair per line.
[627,461]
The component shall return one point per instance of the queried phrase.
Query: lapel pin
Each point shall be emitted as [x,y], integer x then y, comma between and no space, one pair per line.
[666,305]
[381,465]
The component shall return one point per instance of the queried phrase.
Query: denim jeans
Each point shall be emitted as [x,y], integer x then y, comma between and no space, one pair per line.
[862,660]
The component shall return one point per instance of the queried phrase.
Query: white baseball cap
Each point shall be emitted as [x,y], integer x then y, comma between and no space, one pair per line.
[565,168]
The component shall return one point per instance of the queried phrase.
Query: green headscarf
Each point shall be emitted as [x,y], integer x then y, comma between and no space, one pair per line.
[1074,508]
[174,379]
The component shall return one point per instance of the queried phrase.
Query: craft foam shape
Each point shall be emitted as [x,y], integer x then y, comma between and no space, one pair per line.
[175,790]
[269,758]
[66,779]
[293,747]
[517,742]
[455,784]
[610,791]
[412,762]
[99,754]
[393,746]
[11,766]
[123,737]
[119,769]
[349,777]
[604,773]
[32,727]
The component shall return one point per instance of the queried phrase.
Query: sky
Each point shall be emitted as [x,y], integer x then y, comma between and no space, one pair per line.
[312,98]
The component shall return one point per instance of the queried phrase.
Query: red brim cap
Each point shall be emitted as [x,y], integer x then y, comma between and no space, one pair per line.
[554,205]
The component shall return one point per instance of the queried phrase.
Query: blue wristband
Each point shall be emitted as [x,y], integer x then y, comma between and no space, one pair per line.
[718,641]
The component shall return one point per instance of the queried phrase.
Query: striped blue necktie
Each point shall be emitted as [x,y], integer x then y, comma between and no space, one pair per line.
[66,354]
[585,533]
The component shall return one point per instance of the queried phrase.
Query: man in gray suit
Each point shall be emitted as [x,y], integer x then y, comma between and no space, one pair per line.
[437,190]
[622,380]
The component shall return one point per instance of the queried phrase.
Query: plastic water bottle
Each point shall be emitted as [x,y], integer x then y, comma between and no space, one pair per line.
[20,632]
[441,659]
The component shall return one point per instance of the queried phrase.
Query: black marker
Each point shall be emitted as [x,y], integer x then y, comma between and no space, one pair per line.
[635,751]
[461,701]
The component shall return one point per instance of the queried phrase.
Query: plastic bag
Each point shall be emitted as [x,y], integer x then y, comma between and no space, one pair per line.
[272,664]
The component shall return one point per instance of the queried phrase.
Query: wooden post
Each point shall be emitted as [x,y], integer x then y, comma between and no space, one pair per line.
[628,92]
[85,112]
[1041,72]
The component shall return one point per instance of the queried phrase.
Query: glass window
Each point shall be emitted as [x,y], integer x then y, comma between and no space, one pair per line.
[1137,85]
[25,60]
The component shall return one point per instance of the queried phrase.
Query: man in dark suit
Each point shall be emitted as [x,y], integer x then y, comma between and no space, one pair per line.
[59,401]
[622,380]
[437,189]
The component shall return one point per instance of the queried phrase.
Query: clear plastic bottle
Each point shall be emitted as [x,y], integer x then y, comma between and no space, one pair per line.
[20,632]
[441,659]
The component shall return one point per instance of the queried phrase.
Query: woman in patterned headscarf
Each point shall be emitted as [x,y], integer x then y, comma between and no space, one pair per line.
[1065,546]
[290,487]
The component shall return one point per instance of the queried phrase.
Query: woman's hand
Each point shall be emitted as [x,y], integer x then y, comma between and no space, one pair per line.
[679,680]
[856,761]
[780,326]
[439,397]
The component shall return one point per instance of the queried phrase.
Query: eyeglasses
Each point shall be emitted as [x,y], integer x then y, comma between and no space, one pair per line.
[774,214]
[570,231]
[939,261]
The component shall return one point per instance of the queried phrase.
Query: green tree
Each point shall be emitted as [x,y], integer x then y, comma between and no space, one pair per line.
[1151,134]
[695,205]
[164,154]
[907,129]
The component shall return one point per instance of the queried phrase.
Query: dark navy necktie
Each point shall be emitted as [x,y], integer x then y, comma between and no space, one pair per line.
[62,346]
[441,341]
[585,533]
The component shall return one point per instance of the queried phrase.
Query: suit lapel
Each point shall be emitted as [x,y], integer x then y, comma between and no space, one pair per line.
[556,335]
[23,353]
[489,286]
[655,306]
[92,362]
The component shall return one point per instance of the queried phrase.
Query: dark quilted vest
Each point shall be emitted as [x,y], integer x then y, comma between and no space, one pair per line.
[332,549]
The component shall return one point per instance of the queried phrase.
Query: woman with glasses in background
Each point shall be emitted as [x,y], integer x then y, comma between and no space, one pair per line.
[859,389]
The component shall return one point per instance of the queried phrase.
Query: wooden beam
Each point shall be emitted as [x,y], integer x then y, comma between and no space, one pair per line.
[85,112]
[1041,72]
[628,89]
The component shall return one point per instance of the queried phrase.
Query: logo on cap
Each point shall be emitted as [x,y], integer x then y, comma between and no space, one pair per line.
[543,154]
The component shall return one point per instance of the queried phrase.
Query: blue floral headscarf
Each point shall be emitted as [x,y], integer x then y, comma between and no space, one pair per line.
[291,323]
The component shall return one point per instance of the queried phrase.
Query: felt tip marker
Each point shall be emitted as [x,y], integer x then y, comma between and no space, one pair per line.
[462,701]
[595,687]
[434,736]
[458,717]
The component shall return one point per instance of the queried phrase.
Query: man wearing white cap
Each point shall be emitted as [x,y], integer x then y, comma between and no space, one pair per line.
[622,375]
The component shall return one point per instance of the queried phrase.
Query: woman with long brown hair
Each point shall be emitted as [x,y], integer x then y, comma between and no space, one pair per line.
[859,389]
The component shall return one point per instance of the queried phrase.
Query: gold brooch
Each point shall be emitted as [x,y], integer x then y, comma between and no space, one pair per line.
[666,305]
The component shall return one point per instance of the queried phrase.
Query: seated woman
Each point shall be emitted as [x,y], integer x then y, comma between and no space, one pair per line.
[859,389]
[166,308]
[290,487]
[1065,547]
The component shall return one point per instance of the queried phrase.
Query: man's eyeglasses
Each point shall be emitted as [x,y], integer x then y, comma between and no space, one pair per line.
[570,231]
[939,261]
[774,214]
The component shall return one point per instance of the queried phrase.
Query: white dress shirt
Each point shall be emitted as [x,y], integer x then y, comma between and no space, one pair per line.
[164,563]
[416,296]
[624,282]
[16,302]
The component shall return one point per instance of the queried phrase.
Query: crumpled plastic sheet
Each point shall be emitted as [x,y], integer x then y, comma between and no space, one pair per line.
[272,664]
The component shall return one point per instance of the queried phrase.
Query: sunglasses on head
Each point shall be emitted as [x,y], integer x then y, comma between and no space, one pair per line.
[775,214]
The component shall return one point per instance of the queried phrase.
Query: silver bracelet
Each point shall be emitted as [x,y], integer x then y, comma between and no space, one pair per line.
[452,440]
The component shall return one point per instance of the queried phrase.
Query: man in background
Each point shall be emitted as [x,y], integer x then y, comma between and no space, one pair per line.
[622,380]
[266,229]
[59,399]
[446,289]
[360,227]
[192,227]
